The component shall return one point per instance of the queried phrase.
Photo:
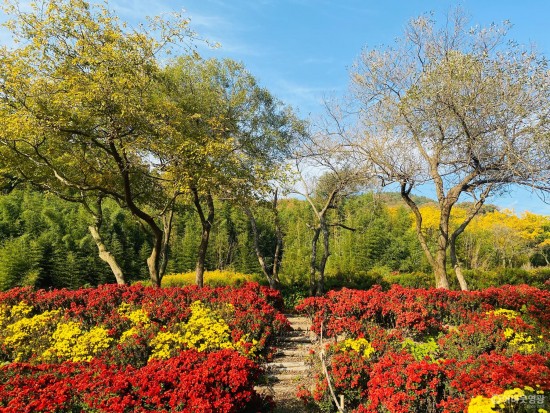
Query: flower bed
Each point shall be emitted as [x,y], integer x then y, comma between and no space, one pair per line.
[419,350]
[119,349]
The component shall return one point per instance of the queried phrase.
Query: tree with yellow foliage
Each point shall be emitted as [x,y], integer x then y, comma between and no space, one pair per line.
[82,101]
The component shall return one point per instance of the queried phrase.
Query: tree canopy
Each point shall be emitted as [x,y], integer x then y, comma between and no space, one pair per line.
[461,109]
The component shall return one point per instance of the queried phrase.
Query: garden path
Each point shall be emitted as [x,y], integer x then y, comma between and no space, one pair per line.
[289,369]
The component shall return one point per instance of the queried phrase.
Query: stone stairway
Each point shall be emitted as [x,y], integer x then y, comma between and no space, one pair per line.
[289,368]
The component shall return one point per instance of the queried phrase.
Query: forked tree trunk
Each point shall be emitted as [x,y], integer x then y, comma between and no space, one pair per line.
[104,253]
[272,276]
[439,262]
[471,214]
[153,262]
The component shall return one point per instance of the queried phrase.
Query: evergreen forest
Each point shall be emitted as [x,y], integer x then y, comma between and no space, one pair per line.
[44,242]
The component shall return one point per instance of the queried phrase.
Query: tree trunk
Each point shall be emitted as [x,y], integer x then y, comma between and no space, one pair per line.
[106,256]
[167,231]
[201,257]
[154,260]
[324,258]
[438,262]
[313,263]
[277,254]
[456,264]
[271,280]
[440,268]
[206,223]
[471,214]
[124,167]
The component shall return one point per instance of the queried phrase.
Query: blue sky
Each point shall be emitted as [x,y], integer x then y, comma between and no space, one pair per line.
[301,49]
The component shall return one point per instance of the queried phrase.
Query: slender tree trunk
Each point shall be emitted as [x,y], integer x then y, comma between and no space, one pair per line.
[201,256]
[279,244]
[324,258]
[94,229]
[278,252]
[106,256]
[313,262]
[438,263]
[440,269]
[471,214]
[206,222]
[154,260]
[164,251]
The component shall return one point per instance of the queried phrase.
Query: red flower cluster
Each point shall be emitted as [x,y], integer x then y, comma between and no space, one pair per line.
[220,381]
[418,312]
[435,349]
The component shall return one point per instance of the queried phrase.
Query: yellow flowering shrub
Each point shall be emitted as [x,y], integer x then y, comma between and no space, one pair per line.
[28,335]
[205,330]
[507,402]
[509,314]
[360,345]
[481,404]
[9,315]
[520,341]
[138,317]
[212,278]
[70,342]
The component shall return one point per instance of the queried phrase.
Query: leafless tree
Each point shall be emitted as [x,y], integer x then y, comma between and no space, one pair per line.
[459,108]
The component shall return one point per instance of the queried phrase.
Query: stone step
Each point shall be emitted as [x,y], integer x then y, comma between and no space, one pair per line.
[301,327]
[293,351]
[276,373]
[283,387]
[285,364]
[295,333]
[299,320]
[296,339]
[288,377]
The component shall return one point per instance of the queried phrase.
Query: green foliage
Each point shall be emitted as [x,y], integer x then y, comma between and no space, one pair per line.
[421,350]
[44,242]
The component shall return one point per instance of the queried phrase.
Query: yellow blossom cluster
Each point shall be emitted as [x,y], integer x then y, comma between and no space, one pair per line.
[504,402]
[70,342]
[360,345]
[520,341]
[24,336]
[509,314]
[138,317]
[523,342]
[204,331]
[212,278]
[46,338]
